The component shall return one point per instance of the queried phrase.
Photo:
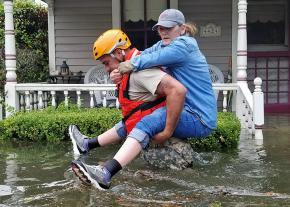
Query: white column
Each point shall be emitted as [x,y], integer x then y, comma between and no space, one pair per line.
[51,38]
[242,43]
[11,99]
[241,76]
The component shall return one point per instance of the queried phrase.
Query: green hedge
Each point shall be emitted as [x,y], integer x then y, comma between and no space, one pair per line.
[51,125]
[226,136]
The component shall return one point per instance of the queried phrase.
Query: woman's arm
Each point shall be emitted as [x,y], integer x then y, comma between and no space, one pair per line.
[176,52]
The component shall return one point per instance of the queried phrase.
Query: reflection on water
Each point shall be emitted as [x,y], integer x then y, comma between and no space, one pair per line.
[253,175]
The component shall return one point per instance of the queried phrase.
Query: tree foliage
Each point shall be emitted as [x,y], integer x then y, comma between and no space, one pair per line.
[30,23]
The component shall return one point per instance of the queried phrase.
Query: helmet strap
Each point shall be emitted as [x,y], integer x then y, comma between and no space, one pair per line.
[123,53]
[114,56]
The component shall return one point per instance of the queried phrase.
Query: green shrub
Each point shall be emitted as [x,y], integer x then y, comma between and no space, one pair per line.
[51,125]
[226,135]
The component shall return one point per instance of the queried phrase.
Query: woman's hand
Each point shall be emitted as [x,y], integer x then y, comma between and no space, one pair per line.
[125,67]
[116,76]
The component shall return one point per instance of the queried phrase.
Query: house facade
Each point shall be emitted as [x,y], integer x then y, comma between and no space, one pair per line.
[74,26]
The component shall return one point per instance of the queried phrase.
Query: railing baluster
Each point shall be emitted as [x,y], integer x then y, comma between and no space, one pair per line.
[22,103]
[225,101]
[40,101]
[92,99]
[27,101]
[65,98]
[31,100]
[258,113]
[117,103]
[79,99]
[35,100]
[104,98]
[45,99]
[246,114]
[53,101]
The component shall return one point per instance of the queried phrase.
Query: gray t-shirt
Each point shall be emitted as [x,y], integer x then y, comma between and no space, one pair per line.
[143,84]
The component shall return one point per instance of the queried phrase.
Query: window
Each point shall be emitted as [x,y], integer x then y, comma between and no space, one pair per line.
[267,22]
[138,17]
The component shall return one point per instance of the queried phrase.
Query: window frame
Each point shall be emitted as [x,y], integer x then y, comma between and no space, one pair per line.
[145,29]
[273,47]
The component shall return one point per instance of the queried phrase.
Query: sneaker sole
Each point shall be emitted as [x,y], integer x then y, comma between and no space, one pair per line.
[80,175]
[93,182]
[75,146]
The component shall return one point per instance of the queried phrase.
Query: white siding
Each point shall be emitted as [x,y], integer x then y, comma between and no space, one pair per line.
[77,24]
[217,50]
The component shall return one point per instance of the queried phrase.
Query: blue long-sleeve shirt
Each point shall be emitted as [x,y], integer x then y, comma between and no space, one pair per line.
[185,62]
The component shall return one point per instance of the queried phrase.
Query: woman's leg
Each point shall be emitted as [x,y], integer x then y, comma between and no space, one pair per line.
[190,126]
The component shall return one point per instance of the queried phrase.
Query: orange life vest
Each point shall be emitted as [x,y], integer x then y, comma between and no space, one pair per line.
[133,111]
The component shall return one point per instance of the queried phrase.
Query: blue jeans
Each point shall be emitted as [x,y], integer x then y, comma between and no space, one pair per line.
[189,126]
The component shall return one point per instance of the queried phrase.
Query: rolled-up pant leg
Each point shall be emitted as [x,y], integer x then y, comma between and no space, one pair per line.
[189,126]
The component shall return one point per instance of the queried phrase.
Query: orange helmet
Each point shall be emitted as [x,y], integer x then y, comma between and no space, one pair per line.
[109,41]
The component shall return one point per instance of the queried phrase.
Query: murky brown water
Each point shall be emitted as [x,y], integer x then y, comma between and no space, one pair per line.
[254,175]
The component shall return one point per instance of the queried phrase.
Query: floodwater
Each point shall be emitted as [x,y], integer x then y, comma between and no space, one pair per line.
[256,174]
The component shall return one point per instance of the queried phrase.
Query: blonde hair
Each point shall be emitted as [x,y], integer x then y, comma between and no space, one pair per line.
[190,29]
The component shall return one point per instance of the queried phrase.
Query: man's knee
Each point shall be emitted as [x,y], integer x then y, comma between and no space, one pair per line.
[140,136]
[121,130]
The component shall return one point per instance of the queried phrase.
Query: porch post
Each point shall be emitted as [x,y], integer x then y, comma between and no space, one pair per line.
[242,43]
[241,55]
[51,38]
[11,98]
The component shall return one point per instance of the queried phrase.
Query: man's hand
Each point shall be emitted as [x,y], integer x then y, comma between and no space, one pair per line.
[125,67]
[116,76]
[161,137]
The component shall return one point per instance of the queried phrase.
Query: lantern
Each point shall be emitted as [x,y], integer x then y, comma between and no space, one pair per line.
[64,69]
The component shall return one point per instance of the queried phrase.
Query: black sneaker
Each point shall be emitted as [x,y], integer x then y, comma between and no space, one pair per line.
[95,175]
[80,141]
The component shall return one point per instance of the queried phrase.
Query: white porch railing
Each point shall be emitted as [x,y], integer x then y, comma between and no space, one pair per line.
[248,106]
[33,96]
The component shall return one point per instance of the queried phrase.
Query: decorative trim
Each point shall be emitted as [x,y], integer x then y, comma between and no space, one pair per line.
[241,79]
[242,53]
[9,32]
[10,57]
[259,126]
[210,30]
